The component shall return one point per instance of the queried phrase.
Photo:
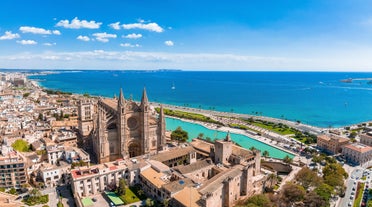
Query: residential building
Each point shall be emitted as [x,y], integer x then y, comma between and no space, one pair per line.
[366,139]
[55,153]
[13,172]
[331,143]
[52,175]
[96,179]
[357,153]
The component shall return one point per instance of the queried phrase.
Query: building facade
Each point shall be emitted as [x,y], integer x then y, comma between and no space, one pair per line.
[366,139]
[85,120]
[127,129]
[55,153]
[331,143]
[357,153]
[12,171]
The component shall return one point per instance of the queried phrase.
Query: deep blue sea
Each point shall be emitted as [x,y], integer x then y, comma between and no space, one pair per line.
[316,98]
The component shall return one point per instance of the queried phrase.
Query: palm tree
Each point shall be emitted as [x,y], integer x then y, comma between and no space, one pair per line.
[252,148]
[265,153]
[272,177]
[149,202]
[166,202]
[287,159]
[140,192]
[201,135]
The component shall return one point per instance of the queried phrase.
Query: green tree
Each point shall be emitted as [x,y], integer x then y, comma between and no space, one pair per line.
[265,153]
[122,186]
[2,189]
[166,202]
[35,193]
[273,179]
[40,117]
[260,200]
[252,148]
[308,178]
[314,200]
[25,95]
[324,191]
[353,134]
[200,135]
[180,135]
[149,202]
[292,193]
[12,191]
[21,145]
[140,192]
[59,204]
[287,159]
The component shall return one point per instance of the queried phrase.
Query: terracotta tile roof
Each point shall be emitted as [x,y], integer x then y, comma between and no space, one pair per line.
[189,196]
[154,177]
[164,156]
[361,148]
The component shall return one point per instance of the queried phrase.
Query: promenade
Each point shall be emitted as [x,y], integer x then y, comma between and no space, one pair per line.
[214,114]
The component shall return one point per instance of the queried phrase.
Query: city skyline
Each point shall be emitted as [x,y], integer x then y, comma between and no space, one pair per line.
[187,35]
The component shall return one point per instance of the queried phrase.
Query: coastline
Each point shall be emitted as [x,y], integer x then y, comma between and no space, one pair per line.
[312,128]
[206,125]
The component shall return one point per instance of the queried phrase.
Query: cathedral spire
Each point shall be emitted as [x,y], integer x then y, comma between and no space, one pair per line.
[228,138]
[121,98]
[144,99]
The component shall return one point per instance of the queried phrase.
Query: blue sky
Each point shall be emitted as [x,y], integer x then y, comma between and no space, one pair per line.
[319,35]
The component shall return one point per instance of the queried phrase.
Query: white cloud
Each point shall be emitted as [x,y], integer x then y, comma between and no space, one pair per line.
[133,36]
[115,25]
[104,37]
[83,38]
[27,42]
[129,45]
[99,59]
[169,43]
[9,36]
[77,24]
[56,32]
[154,27]
[36,30]
[49,44]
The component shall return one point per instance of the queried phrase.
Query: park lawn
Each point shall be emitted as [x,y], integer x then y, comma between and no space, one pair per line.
[359,194]
[129,197]
[188,115]
[282,131]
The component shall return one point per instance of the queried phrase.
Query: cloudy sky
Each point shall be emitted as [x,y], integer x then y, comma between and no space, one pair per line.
[319,35]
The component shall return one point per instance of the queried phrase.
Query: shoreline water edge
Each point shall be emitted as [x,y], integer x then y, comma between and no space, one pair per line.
[209,126]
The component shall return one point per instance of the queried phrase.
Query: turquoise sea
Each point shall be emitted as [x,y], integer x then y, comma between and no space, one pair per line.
[320,99]
[316,98]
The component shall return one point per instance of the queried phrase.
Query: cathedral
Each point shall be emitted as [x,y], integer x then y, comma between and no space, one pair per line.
[124,128]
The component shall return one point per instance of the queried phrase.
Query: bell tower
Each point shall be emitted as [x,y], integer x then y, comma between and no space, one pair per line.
[121,123]
[145,120]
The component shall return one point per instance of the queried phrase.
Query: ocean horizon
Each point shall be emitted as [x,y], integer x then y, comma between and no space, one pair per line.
[315,98]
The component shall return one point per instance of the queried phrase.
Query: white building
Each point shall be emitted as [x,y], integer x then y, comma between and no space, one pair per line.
[54,175]
[357,153]
[55,153]
[96,179]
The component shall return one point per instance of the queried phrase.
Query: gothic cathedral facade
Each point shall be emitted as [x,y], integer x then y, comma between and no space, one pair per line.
[126,129]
